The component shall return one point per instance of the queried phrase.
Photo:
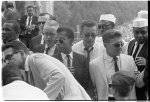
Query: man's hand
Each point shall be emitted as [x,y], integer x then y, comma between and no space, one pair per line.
[140,61]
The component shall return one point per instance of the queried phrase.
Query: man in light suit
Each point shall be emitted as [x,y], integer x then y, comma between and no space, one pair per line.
[138,48]
[39,39]
[103,67]
[45,72]
[49,47]
[77,63]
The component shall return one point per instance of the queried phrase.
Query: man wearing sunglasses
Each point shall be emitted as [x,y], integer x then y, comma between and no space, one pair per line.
[107,22]
[45,72]
[49,46]
[138,48]
[103,67]
[42,18]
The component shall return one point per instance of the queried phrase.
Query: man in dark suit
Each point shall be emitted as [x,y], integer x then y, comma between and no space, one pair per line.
[138,48]
[29,26]
[76,63]
[43,17]
[9,12]
[49,46]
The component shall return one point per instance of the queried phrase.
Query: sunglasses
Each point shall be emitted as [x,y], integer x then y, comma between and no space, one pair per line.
[139,32]
[61,41]
[117,44]
[88,35]
[103,26]
[39,23]
[9,57]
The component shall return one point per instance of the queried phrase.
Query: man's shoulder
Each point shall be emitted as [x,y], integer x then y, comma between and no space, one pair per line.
[36,37]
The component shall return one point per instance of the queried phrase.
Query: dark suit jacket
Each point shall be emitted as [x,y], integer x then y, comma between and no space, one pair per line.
[11,15]
[41,48]
[143,52]
[34,21]
[81,71]
[35,41]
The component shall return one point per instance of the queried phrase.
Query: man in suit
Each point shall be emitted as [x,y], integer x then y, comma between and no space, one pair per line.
[49,47]
[29,26]
[14,88]
[107,22]
[138,48]
[39,39]
[45,72]
[76,63]
[103,67]
[9,12]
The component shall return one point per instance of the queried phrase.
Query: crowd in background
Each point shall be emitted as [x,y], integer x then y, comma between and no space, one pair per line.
[41,61]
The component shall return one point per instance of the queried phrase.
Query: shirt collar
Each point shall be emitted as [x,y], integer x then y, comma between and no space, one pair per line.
[27,63]
[64,55]
[136,43]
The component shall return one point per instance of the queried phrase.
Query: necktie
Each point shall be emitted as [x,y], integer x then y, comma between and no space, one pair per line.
[136,50]
[88,53]
[68,61]
[116,66]
[47,49]
[29,21]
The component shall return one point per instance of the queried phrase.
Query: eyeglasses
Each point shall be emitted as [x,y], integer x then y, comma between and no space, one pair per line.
[88,35]
[103,26]
[61,41]
[117,44]
[139,32]
[39,23]
[9,57]
[49,34]
[6,29]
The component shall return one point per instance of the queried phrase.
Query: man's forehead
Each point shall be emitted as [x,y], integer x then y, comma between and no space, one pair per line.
[104,22]
[8,25]
[49,30]
[43,18]
[140,28]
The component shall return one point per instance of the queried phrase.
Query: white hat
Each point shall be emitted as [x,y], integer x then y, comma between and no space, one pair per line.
[140,22]
[51,24]
[143,14]
[108,17]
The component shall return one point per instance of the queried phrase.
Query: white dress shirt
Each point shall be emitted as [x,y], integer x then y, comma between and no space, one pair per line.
[98,49]
[20,90]
[42,39]
[51,50]
[64,57]
[27,21]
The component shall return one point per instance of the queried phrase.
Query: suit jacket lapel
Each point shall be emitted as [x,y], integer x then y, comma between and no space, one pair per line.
[131,47]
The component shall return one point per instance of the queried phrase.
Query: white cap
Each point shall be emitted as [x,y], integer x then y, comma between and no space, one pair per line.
[140,22]
[143,14]
[51,24]
[108,17]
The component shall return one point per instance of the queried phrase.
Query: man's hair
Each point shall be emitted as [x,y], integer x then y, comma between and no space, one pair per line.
[10,73]
[16,26]
[16,46]
[9,5]
[88,23]
[43,14]
[69,32]
[110,34]
[123,82]
[29,7]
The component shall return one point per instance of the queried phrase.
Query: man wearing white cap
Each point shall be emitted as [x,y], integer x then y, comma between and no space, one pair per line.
[143,14]
[138,48]
[49,32]
[107,22]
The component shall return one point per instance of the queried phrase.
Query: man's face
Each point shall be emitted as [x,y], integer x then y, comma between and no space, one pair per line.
[140,34]
[63,42]
[41,21]
[89,34]
[49,35]
[30,11]
[12,57]
[114,47]
[8,33]
[104,26]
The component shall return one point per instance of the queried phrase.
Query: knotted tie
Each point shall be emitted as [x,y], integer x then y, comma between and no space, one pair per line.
[136,50]
[116,66]
[68,61]
[88,53]
[29,21]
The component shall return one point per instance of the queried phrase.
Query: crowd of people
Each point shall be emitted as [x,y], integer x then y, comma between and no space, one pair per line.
[40,60]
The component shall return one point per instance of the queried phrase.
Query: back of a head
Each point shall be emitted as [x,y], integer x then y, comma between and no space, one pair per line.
[123,83]
[16,45]
[16,25]
[9,5]
[10,73]
[110,34]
